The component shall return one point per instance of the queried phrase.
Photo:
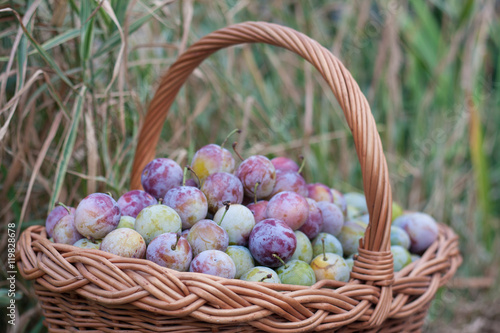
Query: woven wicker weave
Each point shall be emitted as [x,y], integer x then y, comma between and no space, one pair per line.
[82,290]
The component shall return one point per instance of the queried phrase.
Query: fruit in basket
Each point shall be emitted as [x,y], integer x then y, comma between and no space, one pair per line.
[296,272]
[55,215]
[319,192]
[350,262]
[304,250]
[155,220]
[211,159]
[289,207]
[213,262]
[85,243]
[401,257]
[349,237]
[285,164]
[261,274]
[289,181]
[422,229]
[397,210]
[242,259]
[171,251]
[207,235]
[126,222]
[124,242]
[160,175]
[189,202]
[314,223]
[221,187]
[65,230]
[333,219]
[238,221]
[272,241]
[326,242]
[97,215]
[330,266]
[258,176]
[258,210]
[132,202]
[357,201]
[399,237]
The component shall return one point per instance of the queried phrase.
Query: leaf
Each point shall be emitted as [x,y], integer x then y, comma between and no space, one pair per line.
[67,149]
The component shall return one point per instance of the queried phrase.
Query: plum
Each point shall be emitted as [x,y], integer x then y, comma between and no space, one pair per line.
[358,201]
[401,257]
[339,200]
[258,210]
[214,262]
[331,244]
[297,272]
[304,250]
[55,215]
[422,229]
[261,274]
[319,192]
[126,222]
[85,243]
[189,202]
[349,237]
[171,251]
[242,259]
[289,181]
[238,222]
[397,210]
[333,219]
[314,223]
[160,175]
[330,266]
[271,241]
[207,235]
[289,207]
[285,164]
[65,231]
[221,187]
[132,202]
[124,242]
[258,176]
[399,237]
[155,220]
[97,215]
[211,159]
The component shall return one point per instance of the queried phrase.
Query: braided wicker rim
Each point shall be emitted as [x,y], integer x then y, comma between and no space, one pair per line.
[374,297]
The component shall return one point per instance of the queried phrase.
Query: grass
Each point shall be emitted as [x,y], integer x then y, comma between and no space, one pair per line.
[76,79]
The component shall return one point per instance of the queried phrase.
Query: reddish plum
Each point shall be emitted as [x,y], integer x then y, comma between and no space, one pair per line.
[207,235]
[422,229]
[189,202]
[270,239]
[171,251]
[333,219]
[211,159]
[319,192]
[132,202]
[339,200]
[285,164]
[289,181]
[258,170]
[221,187]
[97,215]
[289,207]
[160,175]
[258,210]
[65,231]
[214,262]
[55,215]
[314,222]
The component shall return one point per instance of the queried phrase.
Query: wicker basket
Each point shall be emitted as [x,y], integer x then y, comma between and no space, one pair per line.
[90,290]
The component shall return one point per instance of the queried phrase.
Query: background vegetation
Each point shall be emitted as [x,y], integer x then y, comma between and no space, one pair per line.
[76,78]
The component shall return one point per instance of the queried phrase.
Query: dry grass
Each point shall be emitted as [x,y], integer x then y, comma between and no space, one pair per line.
[76,78]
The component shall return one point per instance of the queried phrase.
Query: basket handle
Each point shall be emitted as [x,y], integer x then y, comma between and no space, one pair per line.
[351,99]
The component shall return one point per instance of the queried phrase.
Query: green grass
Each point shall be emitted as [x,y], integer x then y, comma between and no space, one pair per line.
[430,70]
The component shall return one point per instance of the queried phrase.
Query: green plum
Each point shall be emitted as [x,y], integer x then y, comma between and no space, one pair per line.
[242,258]
[332,244]
[304,250]
[330,266]
[349,237]
[401,257]
[296,272]
[400,237]
[126,222]
[261,274]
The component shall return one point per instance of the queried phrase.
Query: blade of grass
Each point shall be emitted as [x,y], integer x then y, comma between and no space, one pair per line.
[67,150]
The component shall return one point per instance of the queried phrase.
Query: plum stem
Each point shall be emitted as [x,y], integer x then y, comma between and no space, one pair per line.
[160,201]
[255,192]
[194,173]
[281,260]
[324,254]
[236,130]
[184,176]
[66,207]
[227,204]
[268,276]
[236,152]
[302,164]
[177,241]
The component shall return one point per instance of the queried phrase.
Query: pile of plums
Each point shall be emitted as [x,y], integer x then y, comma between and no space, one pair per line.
[258,221]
